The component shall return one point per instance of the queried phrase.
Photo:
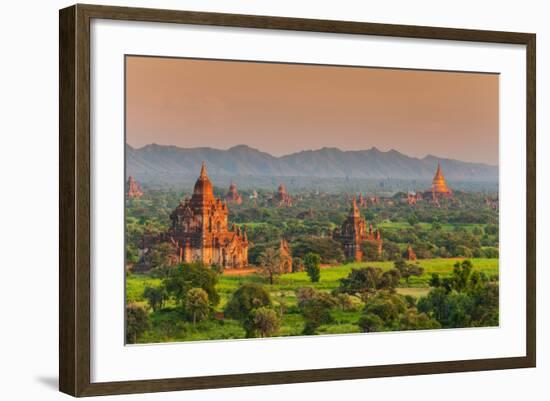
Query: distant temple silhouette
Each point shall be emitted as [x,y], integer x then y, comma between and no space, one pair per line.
[282,198]
[133,189]
[233,195]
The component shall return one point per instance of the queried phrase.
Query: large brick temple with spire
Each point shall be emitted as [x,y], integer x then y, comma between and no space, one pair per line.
[354,233]
[200,229]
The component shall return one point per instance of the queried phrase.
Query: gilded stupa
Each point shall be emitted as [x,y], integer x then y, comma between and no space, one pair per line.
[439,187]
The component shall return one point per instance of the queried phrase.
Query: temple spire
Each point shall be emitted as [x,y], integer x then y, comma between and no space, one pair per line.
[203,170]
[438,172]
[439,186]
[354,209]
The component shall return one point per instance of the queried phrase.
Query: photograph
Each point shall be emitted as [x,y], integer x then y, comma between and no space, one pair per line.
[270,199]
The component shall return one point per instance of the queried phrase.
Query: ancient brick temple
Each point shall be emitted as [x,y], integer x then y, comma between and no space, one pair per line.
[285,256]
[353,234]
[200,229]
[233,195]
[282,198]
[361,202]
[439,186]
[410,253]
[413,198]
[133,189]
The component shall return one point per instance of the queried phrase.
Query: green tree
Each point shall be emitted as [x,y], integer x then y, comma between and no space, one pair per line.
[413,219]
[137,322]
[270,264]
[281,296]
[160,255]
[297,264]
[466,299]
[316,311]
[413,320]
[408,269]
[370,250]
[191,275]
[155,297]
[382,313]
[327,248]
[491,252]
[389,280]
[361,282]
[265,321]
[132,253]
[461,274]
[304,294]
[370,323]
[312,265]
[345,302]
[246,299]
[196,304]
[391,250]
[491,229]
[367,281]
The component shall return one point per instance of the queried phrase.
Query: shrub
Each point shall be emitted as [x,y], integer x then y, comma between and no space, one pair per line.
[196,304]
[370,323]
[316,311]
[193,275]
[382,313]
[311,263]
[137,322]
[366,281]
[247,298]
[155,297]
[265,321]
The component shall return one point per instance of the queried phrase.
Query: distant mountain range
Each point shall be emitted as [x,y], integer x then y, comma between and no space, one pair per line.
[155,164]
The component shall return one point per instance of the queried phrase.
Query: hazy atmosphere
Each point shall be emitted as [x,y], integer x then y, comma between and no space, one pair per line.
[285,108]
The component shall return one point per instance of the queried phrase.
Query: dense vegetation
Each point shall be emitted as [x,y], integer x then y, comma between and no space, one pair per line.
[454,282]
[463,227]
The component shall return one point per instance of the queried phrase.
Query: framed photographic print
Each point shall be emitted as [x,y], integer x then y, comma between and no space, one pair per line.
[322,194]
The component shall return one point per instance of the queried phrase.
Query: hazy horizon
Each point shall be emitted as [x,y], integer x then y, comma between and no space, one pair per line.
[283,109]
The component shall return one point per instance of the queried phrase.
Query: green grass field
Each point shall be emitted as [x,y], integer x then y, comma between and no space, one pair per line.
[164,330]
[403,225]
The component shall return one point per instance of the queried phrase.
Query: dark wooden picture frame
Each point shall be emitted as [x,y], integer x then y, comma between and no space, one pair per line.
[74,202]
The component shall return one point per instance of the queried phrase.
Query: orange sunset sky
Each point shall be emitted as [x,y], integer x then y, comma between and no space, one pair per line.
[286,108]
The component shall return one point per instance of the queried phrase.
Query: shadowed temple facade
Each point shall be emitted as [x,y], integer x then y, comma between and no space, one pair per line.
[354,233]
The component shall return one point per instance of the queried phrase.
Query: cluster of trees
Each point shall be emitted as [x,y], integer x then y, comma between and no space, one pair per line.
[435,242]
[384,309]
[192,286]
[271,265]
[329,250]
[251,305]
[466,299]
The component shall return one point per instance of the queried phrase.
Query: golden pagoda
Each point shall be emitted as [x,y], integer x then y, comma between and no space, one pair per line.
[439,187]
